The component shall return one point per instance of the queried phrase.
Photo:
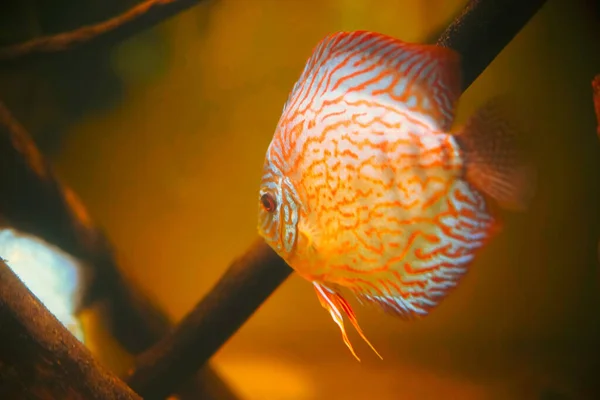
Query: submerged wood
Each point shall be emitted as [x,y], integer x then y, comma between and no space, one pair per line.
[245,286]
[40,359]
[33,200]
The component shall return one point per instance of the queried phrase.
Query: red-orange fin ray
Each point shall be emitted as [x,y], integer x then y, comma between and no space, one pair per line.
[333,302]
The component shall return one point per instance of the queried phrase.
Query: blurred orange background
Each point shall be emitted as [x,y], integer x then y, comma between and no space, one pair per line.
[172,173]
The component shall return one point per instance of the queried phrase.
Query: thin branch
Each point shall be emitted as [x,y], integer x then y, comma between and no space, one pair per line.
[483,29]
[244,287]
[31,193]
[252,278]
[40,359]
[137,19]
[33,200]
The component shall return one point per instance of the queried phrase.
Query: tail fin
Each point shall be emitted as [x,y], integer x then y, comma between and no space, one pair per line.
[495,157]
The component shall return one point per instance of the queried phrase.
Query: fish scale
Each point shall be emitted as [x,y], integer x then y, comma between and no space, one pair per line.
[364,186]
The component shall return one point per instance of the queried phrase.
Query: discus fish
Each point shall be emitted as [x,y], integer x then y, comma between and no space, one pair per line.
[365,188]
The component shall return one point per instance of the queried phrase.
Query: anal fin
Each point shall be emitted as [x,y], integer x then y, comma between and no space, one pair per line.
[407,309]
[333,302]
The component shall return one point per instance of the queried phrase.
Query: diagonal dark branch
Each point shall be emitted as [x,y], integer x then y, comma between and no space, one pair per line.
[244,287]
[40,359]
[139,18]
[33,200]
[478,34]
[483,29]
[31,193]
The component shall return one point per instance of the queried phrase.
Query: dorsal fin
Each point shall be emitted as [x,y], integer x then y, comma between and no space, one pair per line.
[424,78]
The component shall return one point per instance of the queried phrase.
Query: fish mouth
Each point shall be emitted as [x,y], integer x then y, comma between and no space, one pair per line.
[260,231]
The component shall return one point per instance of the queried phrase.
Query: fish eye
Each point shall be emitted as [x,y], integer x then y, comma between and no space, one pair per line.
[268,202]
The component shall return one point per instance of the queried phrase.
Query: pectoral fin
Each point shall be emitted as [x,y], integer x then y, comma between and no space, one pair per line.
[496,156]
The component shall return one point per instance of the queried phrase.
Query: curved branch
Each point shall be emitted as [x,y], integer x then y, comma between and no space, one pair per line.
[40,359]
[139,18]
[31,193]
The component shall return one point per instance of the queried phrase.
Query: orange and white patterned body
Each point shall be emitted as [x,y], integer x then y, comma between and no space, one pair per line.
[384,197]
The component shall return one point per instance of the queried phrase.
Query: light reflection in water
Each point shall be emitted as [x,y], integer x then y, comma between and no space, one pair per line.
[52,275]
